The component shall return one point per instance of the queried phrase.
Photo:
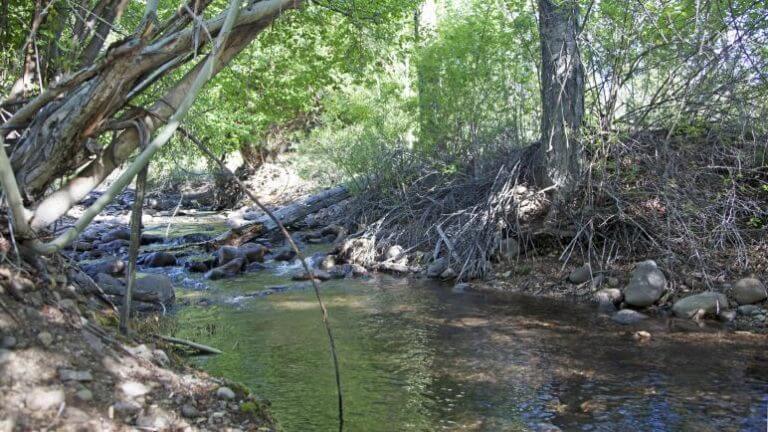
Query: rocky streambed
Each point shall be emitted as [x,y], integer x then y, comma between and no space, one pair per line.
[421,350]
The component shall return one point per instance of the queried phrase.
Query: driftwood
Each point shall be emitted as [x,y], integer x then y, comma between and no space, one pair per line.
[200,347]
[287,215]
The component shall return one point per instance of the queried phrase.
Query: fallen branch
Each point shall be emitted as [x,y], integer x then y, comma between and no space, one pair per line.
[200,347]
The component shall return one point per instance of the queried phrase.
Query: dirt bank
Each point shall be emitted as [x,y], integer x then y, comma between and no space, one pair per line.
[65,367]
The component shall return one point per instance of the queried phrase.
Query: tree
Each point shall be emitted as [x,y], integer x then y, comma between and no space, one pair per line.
[559,162]
[83,125]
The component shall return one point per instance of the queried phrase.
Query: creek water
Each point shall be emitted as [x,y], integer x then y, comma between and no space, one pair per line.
[416,356]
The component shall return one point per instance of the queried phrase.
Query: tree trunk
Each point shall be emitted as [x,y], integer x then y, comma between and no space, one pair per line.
[562,96]
[53,145]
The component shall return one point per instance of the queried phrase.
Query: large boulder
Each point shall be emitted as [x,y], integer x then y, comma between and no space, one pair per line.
[646,285]
[226,254]
[230,269]
[253,252]
[749,291]
[159,259]
[250,252]
[150,285]
[437,267]
[710,302]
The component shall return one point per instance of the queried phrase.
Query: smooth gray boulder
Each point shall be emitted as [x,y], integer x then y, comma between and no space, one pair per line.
[646,285]
[581,274]
[749,291]
[712,303]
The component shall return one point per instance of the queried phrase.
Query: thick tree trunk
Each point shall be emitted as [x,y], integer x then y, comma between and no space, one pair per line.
[562,96]
[54,146]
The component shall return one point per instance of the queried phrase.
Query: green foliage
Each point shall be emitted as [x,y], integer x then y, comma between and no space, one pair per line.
[363,133]
[478,80]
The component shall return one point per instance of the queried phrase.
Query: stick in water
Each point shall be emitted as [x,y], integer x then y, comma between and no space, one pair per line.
[133,252]
[295,248]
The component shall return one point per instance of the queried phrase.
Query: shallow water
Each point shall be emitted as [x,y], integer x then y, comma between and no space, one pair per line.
[417,357]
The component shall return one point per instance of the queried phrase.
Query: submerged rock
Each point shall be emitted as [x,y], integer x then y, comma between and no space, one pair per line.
[749,291]
[710,302]
[628,316]
[646,285]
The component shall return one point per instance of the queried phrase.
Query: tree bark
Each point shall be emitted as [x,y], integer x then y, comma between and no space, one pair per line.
[36,171]
[559,161]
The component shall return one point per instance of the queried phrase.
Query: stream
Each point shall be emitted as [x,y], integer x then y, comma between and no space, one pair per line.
[416,356]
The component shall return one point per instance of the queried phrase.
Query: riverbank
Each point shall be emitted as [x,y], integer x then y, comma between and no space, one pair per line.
[66,367]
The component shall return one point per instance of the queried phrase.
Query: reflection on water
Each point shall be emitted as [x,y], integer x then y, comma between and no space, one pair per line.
[416,357]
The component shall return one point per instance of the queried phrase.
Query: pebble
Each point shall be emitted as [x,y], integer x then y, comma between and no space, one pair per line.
[225,393]
[126,407]
[73,375]
[45,338]
[189,411]
[8,342]
[84,395]
[728,315]
[134,389]
[41,399]
[161,358]
[641,335]
[5,357]
[749,310]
